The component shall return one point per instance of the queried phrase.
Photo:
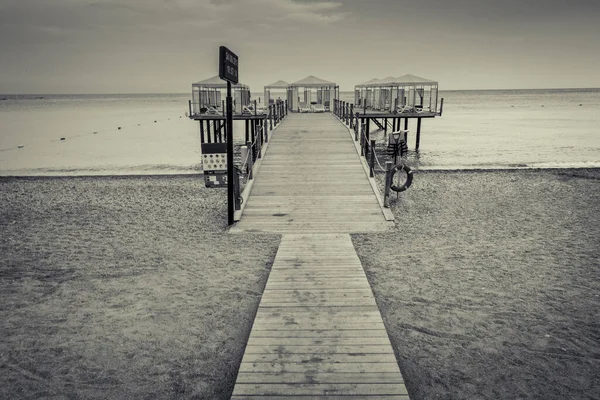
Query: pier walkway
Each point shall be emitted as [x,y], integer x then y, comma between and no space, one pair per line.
[318,332]
[311,180]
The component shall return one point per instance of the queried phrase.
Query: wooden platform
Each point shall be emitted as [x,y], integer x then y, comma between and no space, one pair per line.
[311,180]
[318,332]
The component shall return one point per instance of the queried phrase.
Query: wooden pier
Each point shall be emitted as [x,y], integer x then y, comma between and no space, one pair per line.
[318,332]
[311,180]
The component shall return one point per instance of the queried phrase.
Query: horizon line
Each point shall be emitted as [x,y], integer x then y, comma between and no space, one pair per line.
[251,91]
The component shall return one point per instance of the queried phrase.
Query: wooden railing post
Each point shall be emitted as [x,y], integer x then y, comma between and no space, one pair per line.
[250,161]
[351,115]
[362,140]
[265,129]
[388,183]
[258,142]
[236,189]
[271,112]
[372,161]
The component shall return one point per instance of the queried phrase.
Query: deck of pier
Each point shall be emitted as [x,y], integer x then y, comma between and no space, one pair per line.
[318,332]
[311,180]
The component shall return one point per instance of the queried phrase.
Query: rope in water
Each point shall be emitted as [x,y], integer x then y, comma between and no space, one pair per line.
[64,138]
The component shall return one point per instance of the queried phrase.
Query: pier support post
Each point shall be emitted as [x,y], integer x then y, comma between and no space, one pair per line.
[418,134]
[271,112]
[208,130]
[406,130]
[201,131]
[351,115]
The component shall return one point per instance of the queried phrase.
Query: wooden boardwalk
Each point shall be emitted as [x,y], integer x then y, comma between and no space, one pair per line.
[318,332]
[311,180]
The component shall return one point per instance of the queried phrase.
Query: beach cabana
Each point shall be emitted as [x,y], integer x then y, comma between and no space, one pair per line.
[208,96]
[363,91]
[392,94]
[311,91]
[279,88]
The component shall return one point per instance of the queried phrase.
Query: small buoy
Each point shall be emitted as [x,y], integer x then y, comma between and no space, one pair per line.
[20,146]
[139,124]
[95,132]
[154,121]
[62,138]
[542,105]
[580,104]
[119,128]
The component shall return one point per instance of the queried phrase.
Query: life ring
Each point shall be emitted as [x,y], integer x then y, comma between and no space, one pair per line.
[409,178]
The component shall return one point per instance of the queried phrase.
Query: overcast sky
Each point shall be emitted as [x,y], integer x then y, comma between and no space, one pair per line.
[157,46]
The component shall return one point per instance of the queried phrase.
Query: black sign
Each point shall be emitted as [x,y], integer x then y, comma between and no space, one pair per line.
[228,65]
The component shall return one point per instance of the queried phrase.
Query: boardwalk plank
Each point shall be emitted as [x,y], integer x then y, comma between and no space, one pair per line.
[320,377]
[312,389]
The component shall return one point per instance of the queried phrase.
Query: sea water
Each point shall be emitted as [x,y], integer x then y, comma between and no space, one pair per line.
[151,134]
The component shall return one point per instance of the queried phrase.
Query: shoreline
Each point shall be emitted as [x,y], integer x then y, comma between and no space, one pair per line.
[416,169]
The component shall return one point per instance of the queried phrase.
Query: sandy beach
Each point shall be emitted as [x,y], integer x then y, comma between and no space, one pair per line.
[129,287]
[123,287]
[489,284]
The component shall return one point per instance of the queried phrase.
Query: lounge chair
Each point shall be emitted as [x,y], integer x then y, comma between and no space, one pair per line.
[318,108]
[303,107]
[409,109]
[249,110]
[214,110]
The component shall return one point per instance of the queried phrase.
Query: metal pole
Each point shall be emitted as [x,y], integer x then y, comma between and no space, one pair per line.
[230,191]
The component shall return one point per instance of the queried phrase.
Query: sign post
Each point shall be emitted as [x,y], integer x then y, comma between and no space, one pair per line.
[228,71]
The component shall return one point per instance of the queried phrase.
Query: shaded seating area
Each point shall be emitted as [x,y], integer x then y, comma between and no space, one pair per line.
[208,97]
[311,94]
[278,89]
[407,93]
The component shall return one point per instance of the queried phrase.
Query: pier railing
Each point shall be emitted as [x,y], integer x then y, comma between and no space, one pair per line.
[257,134]
[391,146]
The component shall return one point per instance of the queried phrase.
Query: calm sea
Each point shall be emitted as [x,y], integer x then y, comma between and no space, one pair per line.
[478,129]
